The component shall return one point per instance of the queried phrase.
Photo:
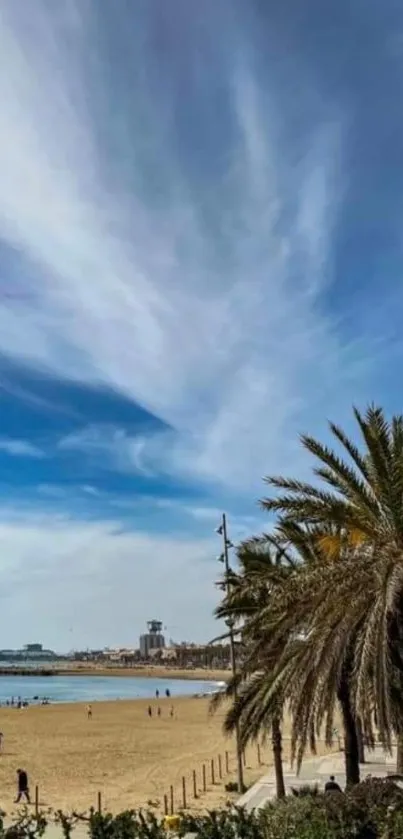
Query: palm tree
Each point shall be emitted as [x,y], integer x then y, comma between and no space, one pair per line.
[359,599]
[277,596]
[257,699]
[298,659]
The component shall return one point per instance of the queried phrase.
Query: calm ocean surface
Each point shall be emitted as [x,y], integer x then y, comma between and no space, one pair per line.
[95,688]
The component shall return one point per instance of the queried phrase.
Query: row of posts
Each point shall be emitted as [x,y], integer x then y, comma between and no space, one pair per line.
[220,766]
[36,803]
[169,803]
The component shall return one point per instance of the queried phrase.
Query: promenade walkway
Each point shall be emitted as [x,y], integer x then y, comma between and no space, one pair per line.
[317,771]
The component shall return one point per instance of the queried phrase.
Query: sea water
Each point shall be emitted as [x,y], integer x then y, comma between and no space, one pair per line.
[96,688]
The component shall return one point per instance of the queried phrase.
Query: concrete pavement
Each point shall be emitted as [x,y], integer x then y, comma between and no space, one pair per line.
[317,770]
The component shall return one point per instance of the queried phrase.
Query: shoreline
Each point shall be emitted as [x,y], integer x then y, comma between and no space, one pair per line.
[146,672]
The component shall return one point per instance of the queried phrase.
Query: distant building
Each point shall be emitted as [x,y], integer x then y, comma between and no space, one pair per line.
[31,652]
[152,640]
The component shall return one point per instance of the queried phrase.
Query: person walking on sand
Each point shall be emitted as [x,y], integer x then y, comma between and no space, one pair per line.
[22,786]
[157,694]
[89,712]
[150,711]
[159,712]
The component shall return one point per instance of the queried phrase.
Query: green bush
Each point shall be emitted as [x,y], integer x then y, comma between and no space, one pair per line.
[305,789]
[24,826]
[232,823]
[371,810]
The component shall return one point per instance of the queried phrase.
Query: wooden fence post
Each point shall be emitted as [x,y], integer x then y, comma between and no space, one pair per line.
[36,800]
[99,803]
[204,778]
[165,805]
[171,795]
[227,762]
[194,784]
[184,792]
[219,767]
[212,771]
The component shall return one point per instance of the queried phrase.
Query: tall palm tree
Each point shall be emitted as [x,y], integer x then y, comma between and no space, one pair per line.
[360,497]
[304,632]
[285,661]
[257,699]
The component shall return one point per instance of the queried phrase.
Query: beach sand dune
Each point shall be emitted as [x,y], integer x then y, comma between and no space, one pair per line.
[121,752]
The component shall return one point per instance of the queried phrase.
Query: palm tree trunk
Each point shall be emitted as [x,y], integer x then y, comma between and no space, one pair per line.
[360,739]
[276,740]
[351,753]
[399,761]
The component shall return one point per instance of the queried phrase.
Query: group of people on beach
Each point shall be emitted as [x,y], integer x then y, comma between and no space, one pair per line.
[159,711]
[23,703]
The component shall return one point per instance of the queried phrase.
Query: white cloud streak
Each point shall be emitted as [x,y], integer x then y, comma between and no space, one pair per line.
[216,329]
[19,448]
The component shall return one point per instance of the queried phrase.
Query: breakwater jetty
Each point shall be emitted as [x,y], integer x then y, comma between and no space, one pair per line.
[30,671]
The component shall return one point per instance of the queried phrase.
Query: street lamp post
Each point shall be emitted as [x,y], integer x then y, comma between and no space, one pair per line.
[222,531]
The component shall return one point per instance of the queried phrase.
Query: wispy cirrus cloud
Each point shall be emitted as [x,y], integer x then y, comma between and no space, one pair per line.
[174,210]
[20,448]
[123,452]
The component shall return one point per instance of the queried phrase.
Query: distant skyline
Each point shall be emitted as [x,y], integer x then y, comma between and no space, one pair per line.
[201,257]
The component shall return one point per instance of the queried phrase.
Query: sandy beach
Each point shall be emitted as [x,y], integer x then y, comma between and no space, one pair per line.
[130,758]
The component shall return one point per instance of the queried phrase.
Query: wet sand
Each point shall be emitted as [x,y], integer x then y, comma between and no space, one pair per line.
[140,671]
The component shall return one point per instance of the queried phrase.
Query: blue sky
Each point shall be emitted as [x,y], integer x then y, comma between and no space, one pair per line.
[201,256]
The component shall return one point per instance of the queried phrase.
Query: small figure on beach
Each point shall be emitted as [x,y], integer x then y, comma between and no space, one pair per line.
[89,712]
[157,694]
[159,711]
[167,693]
[22,786]
[150,711]
[171,713]
[331,785]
